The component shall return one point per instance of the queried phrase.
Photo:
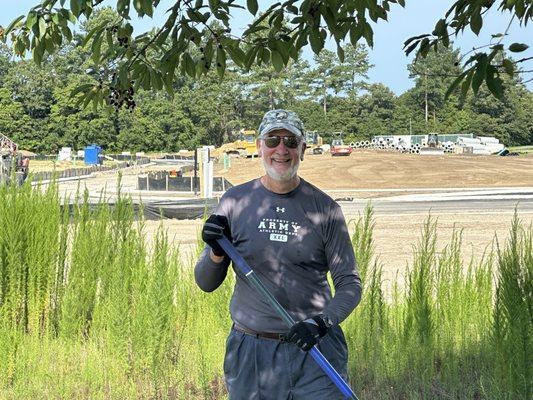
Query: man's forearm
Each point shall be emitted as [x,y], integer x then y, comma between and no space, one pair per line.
[210,270]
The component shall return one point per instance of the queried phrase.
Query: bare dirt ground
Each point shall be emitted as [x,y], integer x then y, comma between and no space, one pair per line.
[50,165]
[370,169]
[394,235]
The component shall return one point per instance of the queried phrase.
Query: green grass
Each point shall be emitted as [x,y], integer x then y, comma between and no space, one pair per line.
[87,311]
[521,149]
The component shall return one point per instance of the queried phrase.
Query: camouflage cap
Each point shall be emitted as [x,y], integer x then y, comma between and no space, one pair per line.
[281,119]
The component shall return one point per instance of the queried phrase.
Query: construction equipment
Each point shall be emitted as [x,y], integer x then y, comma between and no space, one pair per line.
[244,146]
[314,142]
[11,161]
[338,148]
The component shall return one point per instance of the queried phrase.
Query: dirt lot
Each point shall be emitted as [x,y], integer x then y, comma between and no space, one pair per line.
[50,165]
[369,169]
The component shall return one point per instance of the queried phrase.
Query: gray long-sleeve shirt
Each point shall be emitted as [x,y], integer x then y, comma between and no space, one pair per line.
[291,241]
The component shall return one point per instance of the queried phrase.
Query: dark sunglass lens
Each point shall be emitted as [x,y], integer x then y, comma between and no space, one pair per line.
[272,141]
[291,142]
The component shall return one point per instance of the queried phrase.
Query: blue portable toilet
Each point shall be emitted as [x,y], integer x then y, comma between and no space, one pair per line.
[92,154]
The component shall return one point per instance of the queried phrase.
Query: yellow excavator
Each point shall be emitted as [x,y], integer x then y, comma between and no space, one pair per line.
[244,146]
[314,142]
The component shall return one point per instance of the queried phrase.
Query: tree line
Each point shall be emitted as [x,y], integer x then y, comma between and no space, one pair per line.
[38,111]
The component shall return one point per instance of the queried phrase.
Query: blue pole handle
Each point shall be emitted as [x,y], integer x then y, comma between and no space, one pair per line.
[322,362]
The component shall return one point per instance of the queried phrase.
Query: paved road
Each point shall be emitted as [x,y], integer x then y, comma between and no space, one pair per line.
[489,202]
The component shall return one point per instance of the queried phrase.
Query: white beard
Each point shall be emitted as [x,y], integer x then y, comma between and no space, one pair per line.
[286,176]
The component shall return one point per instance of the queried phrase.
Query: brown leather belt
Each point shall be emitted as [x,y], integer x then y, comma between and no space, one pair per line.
[281,337]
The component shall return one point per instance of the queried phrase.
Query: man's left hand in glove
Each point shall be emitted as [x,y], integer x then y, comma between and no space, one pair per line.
[305,334]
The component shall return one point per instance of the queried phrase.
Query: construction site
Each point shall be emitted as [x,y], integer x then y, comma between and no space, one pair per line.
[469,190]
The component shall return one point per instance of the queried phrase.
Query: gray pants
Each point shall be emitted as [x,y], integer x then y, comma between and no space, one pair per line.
[267,369]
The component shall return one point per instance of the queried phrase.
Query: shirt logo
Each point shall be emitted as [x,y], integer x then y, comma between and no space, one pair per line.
[280,209]
[279,230]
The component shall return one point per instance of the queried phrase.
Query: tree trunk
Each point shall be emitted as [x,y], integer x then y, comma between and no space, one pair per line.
[324,101]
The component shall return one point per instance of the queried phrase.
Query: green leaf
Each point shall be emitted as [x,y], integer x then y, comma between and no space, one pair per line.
[72,18]
[96,47]
[168,80]
[440,28]
[42,27]
[188,64]
[264,55]
[148,8]
[476,21]
[123,7]
[466,84]
[340,53]
[283,49]
[518,47]
[156,81]
[494,82]
[316,40]
[250,57]
[49,46]
[415,38]
[411,47]
[508,66]
[445,39]
[277,61]
[81,88]
[355,34]
[15,22]
[31,20]
[89,96]
[38,52]
[92,32]
[480,73]
[236,54]
[252,6]
[454,85]
[424,47]
[66,32]
[368,34]
[254,28]
[221,57]
[75,7]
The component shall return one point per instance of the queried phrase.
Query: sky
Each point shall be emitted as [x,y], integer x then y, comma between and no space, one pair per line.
[387,56]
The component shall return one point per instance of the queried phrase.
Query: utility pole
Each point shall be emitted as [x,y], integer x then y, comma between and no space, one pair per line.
[426,96]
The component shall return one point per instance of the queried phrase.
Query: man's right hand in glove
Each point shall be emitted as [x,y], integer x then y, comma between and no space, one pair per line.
[215,227]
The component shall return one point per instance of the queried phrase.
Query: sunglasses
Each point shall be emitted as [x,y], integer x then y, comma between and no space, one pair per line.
[290,142]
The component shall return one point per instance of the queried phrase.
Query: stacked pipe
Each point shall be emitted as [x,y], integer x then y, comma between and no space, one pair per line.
[448,146]
[492,144]
[481,145]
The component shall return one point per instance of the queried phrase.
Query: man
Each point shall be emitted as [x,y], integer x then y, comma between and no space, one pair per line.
[291,234]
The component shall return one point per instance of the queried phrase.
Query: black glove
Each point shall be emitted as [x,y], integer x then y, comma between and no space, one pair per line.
[306,333]
[215,227]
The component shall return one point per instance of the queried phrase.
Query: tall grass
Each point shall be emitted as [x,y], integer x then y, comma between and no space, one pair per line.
[89,311]
[437,337]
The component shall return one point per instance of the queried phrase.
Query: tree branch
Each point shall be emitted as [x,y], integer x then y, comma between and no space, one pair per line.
[173,15]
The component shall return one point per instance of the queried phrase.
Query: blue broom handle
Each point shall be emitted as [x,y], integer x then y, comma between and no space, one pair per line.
[315,353]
